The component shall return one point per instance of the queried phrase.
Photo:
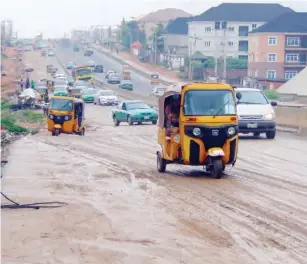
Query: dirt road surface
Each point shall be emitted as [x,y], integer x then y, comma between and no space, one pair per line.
[120,210]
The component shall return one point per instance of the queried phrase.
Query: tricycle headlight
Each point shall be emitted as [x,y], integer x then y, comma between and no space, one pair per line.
[66,118]
[270,116]
[196,131]
[51,116]
[231,131]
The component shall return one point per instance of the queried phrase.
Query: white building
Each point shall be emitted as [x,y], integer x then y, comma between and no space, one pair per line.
[224,29]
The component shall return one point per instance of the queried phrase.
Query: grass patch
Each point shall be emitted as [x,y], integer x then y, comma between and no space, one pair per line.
[9,123]
[4,56]
[9,119]
[272,94]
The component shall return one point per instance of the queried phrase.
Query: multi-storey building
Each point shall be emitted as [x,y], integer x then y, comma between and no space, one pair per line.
[278,50]
[223,30]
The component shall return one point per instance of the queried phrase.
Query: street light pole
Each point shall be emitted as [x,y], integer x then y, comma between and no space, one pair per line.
[194,39]
[155,47]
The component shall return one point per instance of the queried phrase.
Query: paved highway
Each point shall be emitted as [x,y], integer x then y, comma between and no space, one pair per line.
[141,84]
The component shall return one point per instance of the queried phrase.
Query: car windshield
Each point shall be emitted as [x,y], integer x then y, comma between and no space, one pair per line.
[60,88]
[253,97]
[126,82]
[209,102]
[106,93]
[83,72]
[76,90]
[80,83]
[89,91]
[61,104]
[137,105]
[60,84]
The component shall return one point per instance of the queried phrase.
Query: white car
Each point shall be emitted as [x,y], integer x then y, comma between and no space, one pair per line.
[109,73]
[60,76]
[106,97]
[256,113]
[91,63]
[158,91]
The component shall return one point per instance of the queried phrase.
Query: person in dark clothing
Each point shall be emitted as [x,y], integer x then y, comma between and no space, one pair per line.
[46,97]
[27,83]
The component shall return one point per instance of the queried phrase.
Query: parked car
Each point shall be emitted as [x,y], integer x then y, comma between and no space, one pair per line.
[256,113]
[91,63]
[88,52]
[98,68]
[158,91]
[126,84]
[134,111]
[106,97]
[114,78]
[88,95]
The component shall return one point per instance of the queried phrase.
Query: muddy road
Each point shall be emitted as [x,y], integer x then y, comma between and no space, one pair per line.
[120,210]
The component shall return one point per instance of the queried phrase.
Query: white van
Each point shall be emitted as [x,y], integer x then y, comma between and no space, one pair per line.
[256,113]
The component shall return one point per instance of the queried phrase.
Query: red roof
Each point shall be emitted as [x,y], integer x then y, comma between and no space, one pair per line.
[136,44]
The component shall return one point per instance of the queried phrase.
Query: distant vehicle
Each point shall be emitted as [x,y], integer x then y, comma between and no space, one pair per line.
[76,49]
[126,84]
[60,76]
[82,73]
[60,84]
[60,91]
[256,113]
[108,73]
[158,91]
[70,65]
[106,97]
[114,78]
[134,111]
[91,63]
[27,48]
[70,81]
[88,52]
[88,95]
[98,68]
[50,53]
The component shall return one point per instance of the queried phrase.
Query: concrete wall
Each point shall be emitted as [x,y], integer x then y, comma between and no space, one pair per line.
[292,117]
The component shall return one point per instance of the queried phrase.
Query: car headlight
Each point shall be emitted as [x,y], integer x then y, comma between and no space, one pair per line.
[270,116]
[196,131]
[51,116]
[231,131]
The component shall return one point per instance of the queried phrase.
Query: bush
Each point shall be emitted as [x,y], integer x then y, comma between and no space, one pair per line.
[5,104]
[30,116]
[271,94]
[9,123]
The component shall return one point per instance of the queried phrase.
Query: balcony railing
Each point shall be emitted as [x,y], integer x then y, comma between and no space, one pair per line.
[295,63]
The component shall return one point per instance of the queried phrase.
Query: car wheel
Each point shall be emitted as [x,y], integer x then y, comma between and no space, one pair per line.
[154,122]
[271,134]
[130,121]
[95,103]
[115,121]
[161,163]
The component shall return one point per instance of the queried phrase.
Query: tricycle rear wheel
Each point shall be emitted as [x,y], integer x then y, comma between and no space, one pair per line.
[161,163]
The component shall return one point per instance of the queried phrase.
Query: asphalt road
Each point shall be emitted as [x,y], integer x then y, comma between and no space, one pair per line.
[121,210]
[141,84]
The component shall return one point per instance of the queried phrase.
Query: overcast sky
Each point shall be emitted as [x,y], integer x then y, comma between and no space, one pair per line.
[54,17]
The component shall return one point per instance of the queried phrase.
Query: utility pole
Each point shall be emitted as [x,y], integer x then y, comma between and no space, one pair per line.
[155,47]
[224,55]
[192,52]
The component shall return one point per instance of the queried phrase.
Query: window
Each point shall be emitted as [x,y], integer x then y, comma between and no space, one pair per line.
[272,40]
[292,41]
[252,97]
[243,57]
[290,74]
[292,57]
[207,29]
[271,74]
[271,57]
[217,25]
[231,29]
[207,43]
[206,102]
[230,43]
[254,26]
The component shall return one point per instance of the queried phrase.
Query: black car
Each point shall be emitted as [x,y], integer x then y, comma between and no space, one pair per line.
[98,68]
[76,49]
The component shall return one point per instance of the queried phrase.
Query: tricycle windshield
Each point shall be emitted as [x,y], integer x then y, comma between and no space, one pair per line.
[137,105]
[209,103]
[61,105]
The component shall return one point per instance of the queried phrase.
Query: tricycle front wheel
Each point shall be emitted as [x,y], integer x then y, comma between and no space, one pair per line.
[217,168]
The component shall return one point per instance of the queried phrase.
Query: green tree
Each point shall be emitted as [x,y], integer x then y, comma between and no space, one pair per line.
[131,32]
[158,36]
